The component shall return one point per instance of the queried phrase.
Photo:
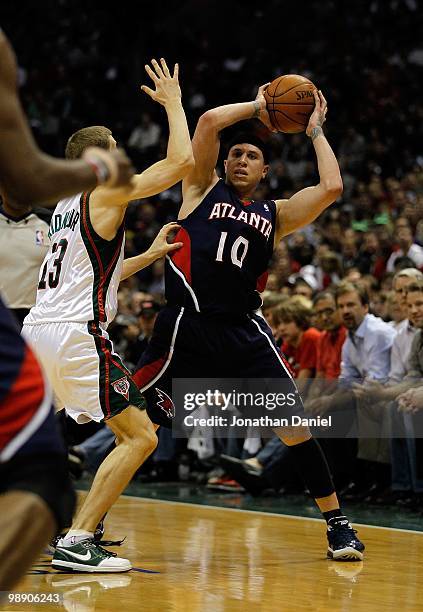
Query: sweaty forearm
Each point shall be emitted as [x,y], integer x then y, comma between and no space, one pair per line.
[46,181]
[30,177]
[179,148]
[27,176]
[132,265]
[330,175]
[224,116]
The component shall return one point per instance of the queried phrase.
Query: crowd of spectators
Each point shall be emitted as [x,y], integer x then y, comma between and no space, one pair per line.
[83,64]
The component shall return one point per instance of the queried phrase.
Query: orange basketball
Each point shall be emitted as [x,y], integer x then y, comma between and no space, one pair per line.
[290,102]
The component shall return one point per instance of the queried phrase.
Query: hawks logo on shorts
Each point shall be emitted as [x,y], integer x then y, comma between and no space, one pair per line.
[165,403]
[122,386]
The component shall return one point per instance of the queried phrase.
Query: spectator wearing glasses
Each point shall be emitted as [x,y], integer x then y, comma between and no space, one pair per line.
[340,452]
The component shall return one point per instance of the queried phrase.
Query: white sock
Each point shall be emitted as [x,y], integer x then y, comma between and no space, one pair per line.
[74,536]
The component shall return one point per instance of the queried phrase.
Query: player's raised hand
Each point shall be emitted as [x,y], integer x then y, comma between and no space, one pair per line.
[261,108]
[318,116]
[167,88]
[160,246]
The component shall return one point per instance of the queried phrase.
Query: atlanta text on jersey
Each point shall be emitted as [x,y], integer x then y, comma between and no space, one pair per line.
[223,210]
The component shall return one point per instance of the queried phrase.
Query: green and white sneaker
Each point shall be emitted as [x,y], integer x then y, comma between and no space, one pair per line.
[87,556]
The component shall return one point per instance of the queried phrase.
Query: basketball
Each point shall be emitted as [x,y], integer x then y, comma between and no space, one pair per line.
[290,102]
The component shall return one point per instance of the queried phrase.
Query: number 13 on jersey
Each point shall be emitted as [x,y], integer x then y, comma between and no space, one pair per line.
[54,276]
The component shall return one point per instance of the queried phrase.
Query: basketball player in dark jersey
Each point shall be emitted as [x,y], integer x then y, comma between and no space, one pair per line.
[36,497]
[209,328]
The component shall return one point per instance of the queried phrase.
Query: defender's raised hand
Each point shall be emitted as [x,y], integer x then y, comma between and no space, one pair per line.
[167,86]
[160,246]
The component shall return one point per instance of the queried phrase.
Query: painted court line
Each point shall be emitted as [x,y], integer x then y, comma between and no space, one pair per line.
[291,516]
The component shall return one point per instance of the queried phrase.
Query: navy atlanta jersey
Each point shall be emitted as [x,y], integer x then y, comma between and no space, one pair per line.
[223,264]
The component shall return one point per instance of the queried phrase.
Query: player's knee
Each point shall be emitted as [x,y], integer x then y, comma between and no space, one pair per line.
[142,442]
[294,435]
[150,438]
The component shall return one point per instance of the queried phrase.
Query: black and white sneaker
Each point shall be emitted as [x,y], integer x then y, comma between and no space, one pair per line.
[343,545]
[87,556]
[98,538]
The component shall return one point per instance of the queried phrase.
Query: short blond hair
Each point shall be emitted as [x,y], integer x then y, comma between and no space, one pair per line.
[94,136]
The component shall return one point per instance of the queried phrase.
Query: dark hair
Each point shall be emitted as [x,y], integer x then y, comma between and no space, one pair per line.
[402,263]
[324,295]
[94,136]
[347,287]
[252,139]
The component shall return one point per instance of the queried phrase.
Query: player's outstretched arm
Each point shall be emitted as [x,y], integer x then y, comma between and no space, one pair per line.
[306,205]
[179,158]
[159,248]
[206,144]
[26,174]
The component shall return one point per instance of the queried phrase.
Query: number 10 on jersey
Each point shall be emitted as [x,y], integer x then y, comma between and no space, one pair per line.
[238,251]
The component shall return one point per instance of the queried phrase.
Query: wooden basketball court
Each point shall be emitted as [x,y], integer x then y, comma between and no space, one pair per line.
[207,559]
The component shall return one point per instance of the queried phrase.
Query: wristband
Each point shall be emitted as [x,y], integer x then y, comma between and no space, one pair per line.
[99,168]
[102,164]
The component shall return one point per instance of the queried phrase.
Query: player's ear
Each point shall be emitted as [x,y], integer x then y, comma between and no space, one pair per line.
[265,171]
[225,163]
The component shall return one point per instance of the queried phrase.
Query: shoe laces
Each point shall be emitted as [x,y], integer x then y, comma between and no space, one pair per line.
[91,544]
[110,542]
[99,533]
[340,532]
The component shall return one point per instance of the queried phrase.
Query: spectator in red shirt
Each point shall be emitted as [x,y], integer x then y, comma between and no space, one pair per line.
[341,452]
[332,338]
[300,341]
[328,366]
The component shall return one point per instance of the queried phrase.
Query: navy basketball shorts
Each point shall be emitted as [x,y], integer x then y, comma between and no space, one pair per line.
[187,344]
[40,467]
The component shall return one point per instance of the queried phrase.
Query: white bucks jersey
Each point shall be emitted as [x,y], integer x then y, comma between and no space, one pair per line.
[80,275]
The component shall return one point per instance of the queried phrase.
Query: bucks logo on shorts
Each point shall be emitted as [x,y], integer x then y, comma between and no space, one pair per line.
[122,386]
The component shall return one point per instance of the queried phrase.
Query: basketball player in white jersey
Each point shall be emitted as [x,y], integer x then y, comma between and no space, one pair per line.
[77,299]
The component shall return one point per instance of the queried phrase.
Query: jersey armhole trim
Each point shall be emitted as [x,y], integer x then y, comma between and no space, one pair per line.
[204,195]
